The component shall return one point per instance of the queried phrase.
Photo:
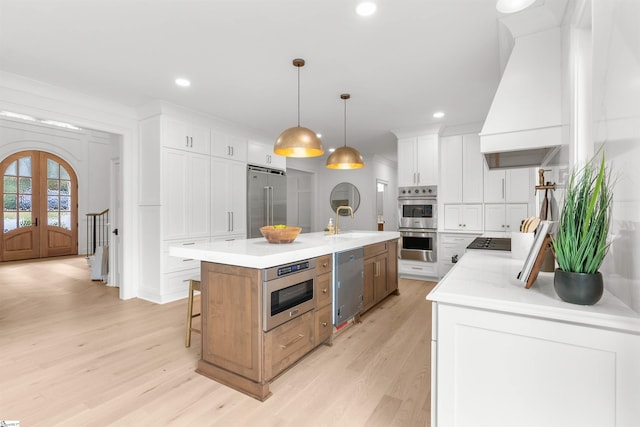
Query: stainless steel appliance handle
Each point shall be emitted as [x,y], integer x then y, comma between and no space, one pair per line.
[266,205]
[271,203]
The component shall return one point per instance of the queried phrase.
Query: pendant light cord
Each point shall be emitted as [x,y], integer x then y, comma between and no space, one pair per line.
[345,122]
[298,96]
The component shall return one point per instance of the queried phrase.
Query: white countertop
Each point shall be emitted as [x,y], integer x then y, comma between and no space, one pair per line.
[258,253]
[488,280]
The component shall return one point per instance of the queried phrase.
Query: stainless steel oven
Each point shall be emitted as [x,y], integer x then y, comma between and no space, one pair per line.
[419,245]
[418,223]
[288,292]
[418,208]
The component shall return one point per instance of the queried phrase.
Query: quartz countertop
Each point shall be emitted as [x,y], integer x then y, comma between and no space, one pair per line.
[488,280]
[258,253]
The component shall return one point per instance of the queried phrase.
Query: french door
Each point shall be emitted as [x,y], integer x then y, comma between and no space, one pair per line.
[39,206]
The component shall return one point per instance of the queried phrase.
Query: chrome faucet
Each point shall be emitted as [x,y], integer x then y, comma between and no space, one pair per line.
[338,209]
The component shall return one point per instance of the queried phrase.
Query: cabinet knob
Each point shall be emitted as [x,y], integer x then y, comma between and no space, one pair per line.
[324,264]
[325,290]
[324,324]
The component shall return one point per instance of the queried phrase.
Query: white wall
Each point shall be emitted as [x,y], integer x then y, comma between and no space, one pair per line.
[364,179]
[616,114]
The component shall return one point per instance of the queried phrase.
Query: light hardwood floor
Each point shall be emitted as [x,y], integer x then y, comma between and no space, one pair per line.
[73,354]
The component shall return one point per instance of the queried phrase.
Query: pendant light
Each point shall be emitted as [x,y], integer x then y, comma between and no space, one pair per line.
[298,141]
[345,157]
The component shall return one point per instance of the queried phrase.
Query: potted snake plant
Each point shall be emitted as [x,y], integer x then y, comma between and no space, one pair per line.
[581,244]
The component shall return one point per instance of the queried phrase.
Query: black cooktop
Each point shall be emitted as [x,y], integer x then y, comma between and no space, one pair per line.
[491,243]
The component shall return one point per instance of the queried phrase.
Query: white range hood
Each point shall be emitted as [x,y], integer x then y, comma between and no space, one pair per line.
[524,124]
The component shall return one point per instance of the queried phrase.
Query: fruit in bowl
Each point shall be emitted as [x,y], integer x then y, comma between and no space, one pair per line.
[280,233]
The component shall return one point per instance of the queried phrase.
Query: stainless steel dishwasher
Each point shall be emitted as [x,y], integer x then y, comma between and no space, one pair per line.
[349,285]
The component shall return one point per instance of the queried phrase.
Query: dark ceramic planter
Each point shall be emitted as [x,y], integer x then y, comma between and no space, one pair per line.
[578,288]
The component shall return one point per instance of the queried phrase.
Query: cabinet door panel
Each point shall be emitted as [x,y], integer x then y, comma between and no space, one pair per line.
[406,162]
[427,160]
[494,217]
[518,186]
[220,215]
[323,323]
[472,165]
[176,135]
[200,139]
[380,278]
[451,160]
[514,214]
[199,195]
[472,217]
[369,276]
[494,185]
[237,198]
[175,173]
[453,217]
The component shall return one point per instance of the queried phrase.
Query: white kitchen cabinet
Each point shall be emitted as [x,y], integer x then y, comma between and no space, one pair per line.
[452,247]
[418,160]
[228,201]
[463,217]
[186,136]
[503,355]
[461,168]
[185,194]
[504,216]
[507,186]
[228,146]
[262,155]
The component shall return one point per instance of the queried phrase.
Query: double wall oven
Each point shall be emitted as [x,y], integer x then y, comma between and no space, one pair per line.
[418,223]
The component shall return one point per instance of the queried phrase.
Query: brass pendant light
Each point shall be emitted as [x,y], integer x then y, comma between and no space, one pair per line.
[298,141]
[345,157]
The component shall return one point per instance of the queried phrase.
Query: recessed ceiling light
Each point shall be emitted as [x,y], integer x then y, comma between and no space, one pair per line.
[319,135]
[513,6]
[183,82]
[438,115]
[366,8]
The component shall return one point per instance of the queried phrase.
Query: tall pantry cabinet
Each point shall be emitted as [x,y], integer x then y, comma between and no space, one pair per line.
[185,178]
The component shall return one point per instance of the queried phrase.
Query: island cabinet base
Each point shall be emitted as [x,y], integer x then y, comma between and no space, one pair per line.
[254,389]
[235,349]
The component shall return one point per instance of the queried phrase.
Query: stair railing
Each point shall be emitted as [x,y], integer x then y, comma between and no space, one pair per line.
[97,231]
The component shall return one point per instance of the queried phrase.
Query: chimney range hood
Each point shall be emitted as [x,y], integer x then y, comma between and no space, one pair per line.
[524,125]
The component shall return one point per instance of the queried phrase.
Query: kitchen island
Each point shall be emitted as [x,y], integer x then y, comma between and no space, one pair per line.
[240,347]
[503,355]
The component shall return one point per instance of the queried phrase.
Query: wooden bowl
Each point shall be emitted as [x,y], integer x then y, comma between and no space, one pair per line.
[280,235]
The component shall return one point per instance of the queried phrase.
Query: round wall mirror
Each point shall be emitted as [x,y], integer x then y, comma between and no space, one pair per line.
[344,194]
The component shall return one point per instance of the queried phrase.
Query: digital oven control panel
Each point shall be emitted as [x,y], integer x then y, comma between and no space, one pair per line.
[293,268]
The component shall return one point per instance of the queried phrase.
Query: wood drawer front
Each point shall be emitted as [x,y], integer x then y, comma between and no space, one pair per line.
[375,249]
[324,328]
[324,264]
[324,290]
[287,343]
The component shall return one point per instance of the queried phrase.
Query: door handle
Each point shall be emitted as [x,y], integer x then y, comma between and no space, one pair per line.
[36,221]
[115,231]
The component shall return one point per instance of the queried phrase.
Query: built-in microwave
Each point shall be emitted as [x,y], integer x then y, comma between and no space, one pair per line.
[288,292]
[419,245]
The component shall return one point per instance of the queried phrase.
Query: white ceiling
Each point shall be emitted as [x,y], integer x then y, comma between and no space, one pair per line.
[412,58]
